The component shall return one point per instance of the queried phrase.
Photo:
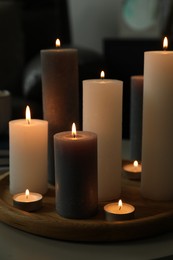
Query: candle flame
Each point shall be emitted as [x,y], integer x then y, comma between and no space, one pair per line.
[27,193]
[73,130]
[102,74]
[120,204]
[57,43]
[165,43]
[28,115]
[135,164]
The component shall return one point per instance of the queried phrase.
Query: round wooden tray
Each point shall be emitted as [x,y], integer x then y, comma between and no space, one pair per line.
[151,218]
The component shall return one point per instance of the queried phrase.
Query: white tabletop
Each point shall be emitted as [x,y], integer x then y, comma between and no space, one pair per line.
[16,245]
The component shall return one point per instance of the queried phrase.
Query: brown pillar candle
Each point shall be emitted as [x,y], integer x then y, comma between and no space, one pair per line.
[60,94]
[76,174]
[136,116]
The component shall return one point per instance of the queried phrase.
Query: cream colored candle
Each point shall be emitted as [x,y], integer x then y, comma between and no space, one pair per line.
[28,155]
[102,114]
[157,143]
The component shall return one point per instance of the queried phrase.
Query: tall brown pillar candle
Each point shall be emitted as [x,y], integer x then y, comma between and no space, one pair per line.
[60,95]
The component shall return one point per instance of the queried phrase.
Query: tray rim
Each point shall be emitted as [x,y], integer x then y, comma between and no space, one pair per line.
[95,230]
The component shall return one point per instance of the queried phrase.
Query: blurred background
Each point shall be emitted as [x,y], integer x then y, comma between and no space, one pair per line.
[110,34]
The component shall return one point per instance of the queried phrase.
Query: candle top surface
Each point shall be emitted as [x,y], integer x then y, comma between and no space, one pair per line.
[103,81]
[59,50]
[137,77]
[166,52]
[115,208]
[24,122]
[21,197]
[80,135]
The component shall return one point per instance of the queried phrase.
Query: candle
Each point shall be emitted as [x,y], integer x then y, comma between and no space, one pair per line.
[28,201]
[133,170]
[5,110]
[28,155]
[76,174]
[157,142]
[60,94]
[119,211]
[102,114]
[136,103]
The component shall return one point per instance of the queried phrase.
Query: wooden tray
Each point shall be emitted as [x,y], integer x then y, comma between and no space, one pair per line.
[151,218]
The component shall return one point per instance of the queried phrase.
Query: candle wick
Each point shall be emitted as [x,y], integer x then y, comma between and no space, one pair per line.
[74,135]
[119,207]
[28,121]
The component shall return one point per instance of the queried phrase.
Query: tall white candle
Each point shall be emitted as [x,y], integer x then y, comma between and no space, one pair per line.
[102,114]
[28,155]
[157,142]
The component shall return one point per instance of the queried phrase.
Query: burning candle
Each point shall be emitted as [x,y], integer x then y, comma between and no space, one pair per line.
[76,174]
[119,211]
[157,141]
[133,170]
[28,154]
[102,114]
[28,201]
[60,94]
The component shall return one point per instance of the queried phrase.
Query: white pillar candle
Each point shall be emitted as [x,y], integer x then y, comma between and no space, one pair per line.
[102,114]
[28,155]
[157,142]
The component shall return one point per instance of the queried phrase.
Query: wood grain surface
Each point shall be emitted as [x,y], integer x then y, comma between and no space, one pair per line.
[151,218]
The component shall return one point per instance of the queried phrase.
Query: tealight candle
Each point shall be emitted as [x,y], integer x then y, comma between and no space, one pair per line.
[119,211]
[28,201]
[133,170]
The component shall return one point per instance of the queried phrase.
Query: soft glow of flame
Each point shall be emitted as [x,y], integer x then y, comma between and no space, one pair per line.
[135,164]
[102,74]
[165,43]
[27,193]
[73,131]
[28,115]
[57,43]
[120,204]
